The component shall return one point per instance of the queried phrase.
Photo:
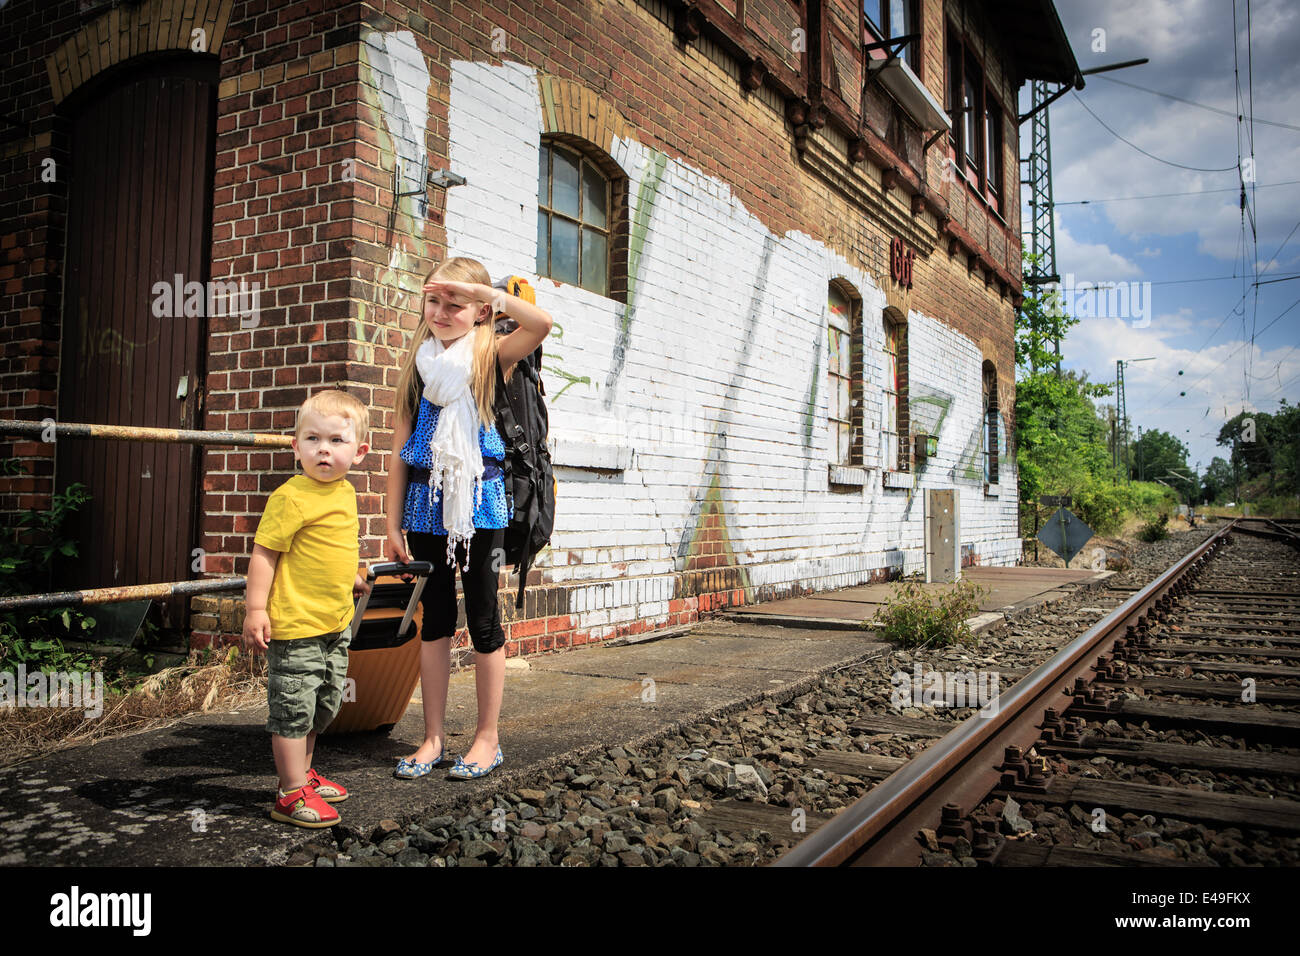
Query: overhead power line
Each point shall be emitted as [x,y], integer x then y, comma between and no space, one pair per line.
[1212,109]
[1231,354]
[1190,192]
[1196,169]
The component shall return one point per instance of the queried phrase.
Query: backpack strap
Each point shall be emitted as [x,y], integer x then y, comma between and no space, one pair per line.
[515,440]
[515,437]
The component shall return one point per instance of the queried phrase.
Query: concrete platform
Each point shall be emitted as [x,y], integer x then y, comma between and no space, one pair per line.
[198,792]
[1006,590]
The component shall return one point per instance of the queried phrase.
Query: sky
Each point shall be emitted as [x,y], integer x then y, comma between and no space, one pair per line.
[1234,342]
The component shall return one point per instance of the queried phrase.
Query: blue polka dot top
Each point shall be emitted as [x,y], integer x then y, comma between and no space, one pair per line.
[493,511]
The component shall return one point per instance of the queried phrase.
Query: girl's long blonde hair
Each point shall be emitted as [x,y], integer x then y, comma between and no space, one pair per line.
[484,379]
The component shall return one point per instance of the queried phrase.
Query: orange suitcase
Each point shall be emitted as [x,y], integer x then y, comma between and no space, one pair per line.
[384,654]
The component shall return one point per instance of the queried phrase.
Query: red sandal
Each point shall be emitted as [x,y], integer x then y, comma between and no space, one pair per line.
[328,790]
[304,808]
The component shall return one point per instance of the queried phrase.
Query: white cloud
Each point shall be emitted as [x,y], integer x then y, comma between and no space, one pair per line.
[1189,43]
[1213,377]
[1093,262]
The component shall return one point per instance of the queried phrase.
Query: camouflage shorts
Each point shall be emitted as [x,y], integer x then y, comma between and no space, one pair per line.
[304,686]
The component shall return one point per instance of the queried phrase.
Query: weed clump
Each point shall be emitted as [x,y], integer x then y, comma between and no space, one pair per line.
[914,618]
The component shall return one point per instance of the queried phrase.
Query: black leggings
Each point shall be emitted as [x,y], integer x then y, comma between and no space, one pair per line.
[482,612]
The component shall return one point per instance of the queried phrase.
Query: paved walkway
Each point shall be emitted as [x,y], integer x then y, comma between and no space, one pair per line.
[198,792]
[1004,590]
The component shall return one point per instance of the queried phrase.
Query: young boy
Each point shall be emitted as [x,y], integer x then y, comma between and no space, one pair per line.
[301,581]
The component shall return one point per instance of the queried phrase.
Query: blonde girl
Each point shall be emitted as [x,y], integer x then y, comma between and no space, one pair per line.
[446,491]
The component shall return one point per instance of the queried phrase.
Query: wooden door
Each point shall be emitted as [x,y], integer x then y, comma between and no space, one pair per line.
[139,213]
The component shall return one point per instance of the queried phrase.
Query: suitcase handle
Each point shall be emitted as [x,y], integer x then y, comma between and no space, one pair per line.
[421,570]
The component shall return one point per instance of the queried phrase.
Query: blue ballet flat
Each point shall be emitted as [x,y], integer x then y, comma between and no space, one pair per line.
[471,770]
[408,769]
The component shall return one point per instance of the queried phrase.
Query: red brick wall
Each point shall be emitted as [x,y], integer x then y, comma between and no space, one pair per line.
[284,214]
[293,108]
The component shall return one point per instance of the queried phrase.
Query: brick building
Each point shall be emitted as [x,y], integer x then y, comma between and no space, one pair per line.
[776,254]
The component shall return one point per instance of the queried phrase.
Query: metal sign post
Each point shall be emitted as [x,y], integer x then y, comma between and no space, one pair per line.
[1065,534]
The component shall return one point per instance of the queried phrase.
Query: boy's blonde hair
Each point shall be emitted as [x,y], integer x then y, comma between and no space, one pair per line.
[335,402]
[483,381]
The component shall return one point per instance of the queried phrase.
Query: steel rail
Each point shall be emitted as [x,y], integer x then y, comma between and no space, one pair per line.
[965,765]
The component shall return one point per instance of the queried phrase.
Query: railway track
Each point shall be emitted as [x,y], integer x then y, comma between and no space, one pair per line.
[1162,736]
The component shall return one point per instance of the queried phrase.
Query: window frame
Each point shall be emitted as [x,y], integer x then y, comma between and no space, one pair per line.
[991,425]
[994,176]
[986,173]
[895,394]
[609,230]
[883,31]
[851,332]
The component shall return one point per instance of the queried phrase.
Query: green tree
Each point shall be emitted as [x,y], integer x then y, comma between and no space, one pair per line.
[1061,441]
[1265,449]
[1157,455]
[1217,484]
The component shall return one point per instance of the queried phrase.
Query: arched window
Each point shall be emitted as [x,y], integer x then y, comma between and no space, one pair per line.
[895,422]
[990,423]
[574,218]
[844,374]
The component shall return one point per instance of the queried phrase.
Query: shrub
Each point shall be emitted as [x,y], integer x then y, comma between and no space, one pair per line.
[913,618]
[1101,506]
[1277,507]
[27,548]
[1156,530]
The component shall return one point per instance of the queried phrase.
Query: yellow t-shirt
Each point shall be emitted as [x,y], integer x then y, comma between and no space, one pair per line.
[314,524]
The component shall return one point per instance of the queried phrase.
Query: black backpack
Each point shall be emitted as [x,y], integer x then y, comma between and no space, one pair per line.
[523,422]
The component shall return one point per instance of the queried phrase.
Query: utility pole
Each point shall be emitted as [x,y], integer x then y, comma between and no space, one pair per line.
[1121,409]
[1040,221]
[1121,416]
[1114,451]
[1040,224]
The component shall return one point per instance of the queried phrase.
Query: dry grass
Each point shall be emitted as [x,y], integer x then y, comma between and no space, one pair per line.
[157,700]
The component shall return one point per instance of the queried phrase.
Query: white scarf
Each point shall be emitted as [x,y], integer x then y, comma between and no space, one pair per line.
[457,462]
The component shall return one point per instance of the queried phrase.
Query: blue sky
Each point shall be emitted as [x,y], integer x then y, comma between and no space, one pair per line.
[1202,328]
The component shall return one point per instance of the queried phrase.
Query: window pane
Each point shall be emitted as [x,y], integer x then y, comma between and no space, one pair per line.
[872,10]
[897,18]
[543,176]
[970,119]
[842,443]
[564,183]
[842,411]
[954,90]
[838,304]
[594,196]
[594,258]
[993,138]
[543,250]
[564,250]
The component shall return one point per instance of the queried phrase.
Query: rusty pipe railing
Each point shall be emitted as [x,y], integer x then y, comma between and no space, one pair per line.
[136,433]
[132,592]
